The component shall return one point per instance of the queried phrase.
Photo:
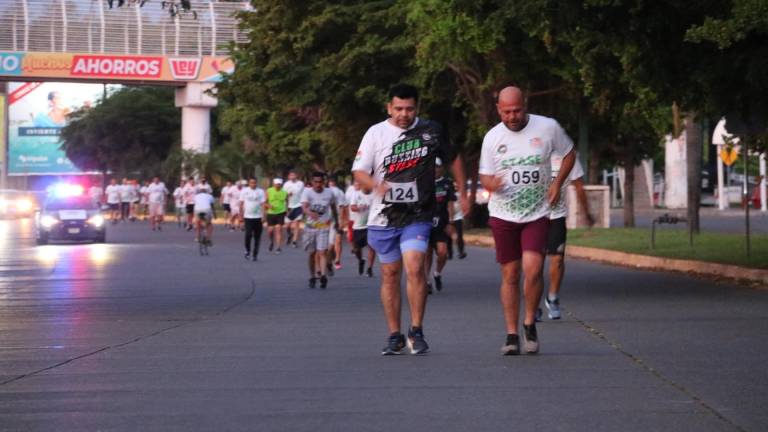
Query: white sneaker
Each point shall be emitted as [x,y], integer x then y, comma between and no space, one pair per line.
[554,307]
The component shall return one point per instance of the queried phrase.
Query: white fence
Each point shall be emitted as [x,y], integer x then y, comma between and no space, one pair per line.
[90,26]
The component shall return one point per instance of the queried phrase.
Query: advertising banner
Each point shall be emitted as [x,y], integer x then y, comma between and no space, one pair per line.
[117,68]
[36,114]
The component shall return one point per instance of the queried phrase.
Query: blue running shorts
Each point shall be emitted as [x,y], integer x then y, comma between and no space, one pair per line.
[390,243]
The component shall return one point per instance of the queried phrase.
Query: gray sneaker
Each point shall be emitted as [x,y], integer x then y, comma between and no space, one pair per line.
[554,307]
[530,339]
[416,342]
[395,344]
[511,346]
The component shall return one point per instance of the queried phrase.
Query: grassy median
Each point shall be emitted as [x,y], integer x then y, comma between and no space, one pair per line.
[673,243]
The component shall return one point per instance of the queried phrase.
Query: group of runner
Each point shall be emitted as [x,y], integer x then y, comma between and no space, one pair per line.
[526,163]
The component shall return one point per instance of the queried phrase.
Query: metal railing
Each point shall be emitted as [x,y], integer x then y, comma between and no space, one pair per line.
[90,26]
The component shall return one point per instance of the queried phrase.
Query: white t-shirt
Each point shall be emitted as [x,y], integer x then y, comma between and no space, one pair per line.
[560,210]
[295,190]
[188,192]
[203,187]
[522,159]
[128,193]
[178,197]
[144,192]
[253,201]
[157,192]
[95,193]
[113,192]
[234,196]
[458,213]
[363,202]
[225,195]
[203,203]
[338,194]
[319,203]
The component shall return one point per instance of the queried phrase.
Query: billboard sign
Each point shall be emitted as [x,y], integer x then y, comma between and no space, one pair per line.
[36,114]
[108,67]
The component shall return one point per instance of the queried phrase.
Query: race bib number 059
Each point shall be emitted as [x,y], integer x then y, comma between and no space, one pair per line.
[402,193]
[524,176]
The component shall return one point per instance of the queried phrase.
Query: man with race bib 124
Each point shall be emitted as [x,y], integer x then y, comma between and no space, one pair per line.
[515,168]
[396,160]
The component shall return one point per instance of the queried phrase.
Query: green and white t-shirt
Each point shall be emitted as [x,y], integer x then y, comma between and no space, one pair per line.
[522,159]
[560,210]
[253,201]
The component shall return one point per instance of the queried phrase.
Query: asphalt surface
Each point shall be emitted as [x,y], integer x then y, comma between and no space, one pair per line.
[144,334]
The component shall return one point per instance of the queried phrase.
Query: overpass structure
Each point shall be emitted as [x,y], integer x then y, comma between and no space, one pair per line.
[87,41]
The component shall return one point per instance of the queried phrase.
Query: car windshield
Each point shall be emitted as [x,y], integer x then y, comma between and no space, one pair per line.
[71,203]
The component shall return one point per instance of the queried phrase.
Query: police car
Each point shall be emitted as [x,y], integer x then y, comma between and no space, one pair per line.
[69,214]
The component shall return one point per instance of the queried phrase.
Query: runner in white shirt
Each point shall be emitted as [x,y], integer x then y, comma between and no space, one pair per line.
[557,232]
[515,167]
[295,189]
[225,203]
[320,213]
[203,210]
[113,200]
[359,205]
[236,216]
[97,194]
[203,186]
[336,241]
[144,200]
[156,194]
[251,204]
[126,198]
[188,193]
[178,202]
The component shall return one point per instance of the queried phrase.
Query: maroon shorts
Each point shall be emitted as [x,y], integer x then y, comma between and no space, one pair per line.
[513,238]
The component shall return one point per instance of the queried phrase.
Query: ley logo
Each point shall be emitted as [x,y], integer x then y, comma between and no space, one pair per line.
[185,68]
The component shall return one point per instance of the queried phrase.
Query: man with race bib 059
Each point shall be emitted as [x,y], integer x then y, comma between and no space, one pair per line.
[396,160]
[515,168]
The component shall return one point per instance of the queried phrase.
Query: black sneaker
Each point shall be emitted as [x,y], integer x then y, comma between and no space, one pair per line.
[438,283]
[278,251]
[312,282]
[395,344]
[511,346]
[531,339]
[462,255]
[323,281]
[369,272]
[255,257]
[416,342]
[247,256]
[360,267]
[271,246]
[329,267]
[429,288]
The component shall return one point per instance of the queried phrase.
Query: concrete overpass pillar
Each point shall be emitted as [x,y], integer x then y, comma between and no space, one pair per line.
[195,106]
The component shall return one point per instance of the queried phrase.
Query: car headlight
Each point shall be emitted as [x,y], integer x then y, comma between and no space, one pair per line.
[47,221]
[24,205]
[97,221]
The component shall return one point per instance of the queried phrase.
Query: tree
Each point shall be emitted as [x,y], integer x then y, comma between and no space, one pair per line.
[131,131]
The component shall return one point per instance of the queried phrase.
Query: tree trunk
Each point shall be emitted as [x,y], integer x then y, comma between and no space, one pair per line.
[593,170]
[693,167]
[629,192]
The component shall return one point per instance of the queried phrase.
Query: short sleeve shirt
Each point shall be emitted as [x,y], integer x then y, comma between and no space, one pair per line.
[203,202]
[188,192]
[225,194]
[522,160]
[362,201]
[157,192]
[178,197]
[276,199]
[294,190]
[113,194]
[319,203]
[560,210]
[445,195]
[405,159]
[253,200]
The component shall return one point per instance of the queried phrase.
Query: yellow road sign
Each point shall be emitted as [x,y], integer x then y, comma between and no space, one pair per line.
[729,156]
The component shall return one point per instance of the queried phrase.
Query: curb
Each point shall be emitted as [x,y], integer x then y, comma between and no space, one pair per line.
[645,262]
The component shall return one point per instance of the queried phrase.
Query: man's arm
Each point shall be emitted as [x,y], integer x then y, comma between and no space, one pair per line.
[461,183]
[553,194]
[581,197]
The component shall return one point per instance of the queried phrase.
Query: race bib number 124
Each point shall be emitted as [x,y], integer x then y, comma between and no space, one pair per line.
[402,193]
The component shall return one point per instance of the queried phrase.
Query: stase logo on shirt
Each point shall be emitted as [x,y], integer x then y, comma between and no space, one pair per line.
[536,142]
[185,68]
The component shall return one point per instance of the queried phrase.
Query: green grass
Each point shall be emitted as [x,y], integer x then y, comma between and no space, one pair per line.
[673,243]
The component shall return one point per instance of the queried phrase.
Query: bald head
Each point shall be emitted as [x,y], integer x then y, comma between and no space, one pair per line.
[511,108]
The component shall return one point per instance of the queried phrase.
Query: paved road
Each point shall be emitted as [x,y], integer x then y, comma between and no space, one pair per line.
[144,334]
